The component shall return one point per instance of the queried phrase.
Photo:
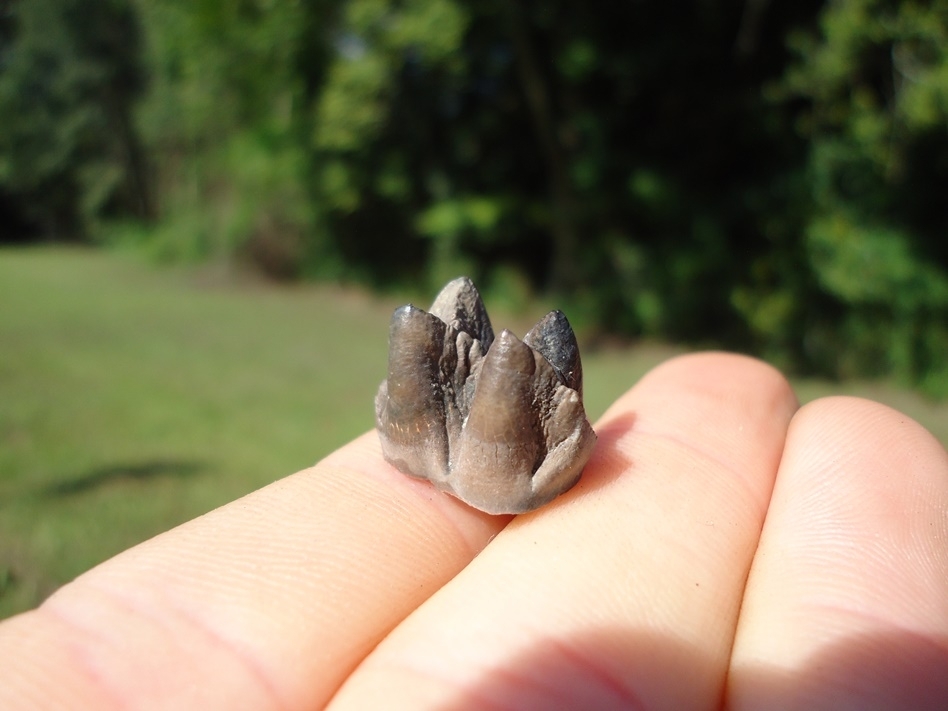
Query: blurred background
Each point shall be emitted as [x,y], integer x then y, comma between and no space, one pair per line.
[762,176]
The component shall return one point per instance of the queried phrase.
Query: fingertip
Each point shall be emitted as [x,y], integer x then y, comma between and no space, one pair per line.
[852,560]
[854,459]
[839,422]
[658,535]
[713,375]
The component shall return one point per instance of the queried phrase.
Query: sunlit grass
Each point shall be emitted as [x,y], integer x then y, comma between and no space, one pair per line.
[134,398]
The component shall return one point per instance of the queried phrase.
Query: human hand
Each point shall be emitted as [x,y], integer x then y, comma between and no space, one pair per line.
[723,549]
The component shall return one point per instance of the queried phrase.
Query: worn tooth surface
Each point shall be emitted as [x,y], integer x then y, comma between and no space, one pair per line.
[460,306]
[498,423]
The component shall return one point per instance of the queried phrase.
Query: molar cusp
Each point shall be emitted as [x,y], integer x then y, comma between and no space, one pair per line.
[503,405]
[411,322]
[509,353]
[506,373]
[415,335]
[453,298]
[554,338]
[460,305]
[405,313]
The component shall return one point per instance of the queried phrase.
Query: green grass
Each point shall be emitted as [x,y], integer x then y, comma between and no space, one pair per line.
[133,398]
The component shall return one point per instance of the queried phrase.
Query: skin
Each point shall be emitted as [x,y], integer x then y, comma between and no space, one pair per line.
[724,549]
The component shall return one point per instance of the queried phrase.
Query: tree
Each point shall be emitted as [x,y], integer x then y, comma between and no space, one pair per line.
[224,124]
[621,155]
[875,81]
[671,170]
[68,80]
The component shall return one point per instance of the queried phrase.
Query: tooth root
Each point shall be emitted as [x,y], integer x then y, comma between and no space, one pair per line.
[460,306]
[553,338]
[409,407]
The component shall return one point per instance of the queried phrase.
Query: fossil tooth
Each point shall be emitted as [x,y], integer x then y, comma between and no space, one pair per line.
[553,338]
[460,306]
[410,409]
[498,423]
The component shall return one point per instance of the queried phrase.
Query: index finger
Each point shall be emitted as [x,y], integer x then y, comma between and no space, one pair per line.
[268,602]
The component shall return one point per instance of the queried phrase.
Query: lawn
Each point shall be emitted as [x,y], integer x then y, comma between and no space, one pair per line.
[133,398]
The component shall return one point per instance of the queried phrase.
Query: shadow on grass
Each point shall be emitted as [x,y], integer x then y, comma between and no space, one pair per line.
[99,477]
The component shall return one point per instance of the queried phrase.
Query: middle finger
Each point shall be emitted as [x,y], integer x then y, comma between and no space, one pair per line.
[603,598]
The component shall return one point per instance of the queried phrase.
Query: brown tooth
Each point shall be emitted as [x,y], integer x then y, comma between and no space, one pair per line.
[501,444]
[554,339]
[460,306]
[409,407]
[502,410]
[498,423]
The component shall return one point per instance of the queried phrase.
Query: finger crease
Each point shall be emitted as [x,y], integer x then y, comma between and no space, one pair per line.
[172,617]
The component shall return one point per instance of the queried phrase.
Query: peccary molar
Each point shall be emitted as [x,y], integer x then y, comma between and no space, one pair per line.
[499,423]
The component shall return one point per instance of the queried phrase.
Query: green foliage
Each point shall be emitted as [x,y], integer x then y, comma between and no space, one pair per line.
[876,82]
[67,82]
[222,124]
[757,175]
[367,127]
[896,302]
[866,266]
[352,107]
[135,399]
[448,218]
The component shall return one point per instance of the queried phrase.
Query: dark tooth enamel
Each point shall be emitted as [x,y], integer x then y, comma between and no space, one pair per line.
[554,339]
[498,423]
